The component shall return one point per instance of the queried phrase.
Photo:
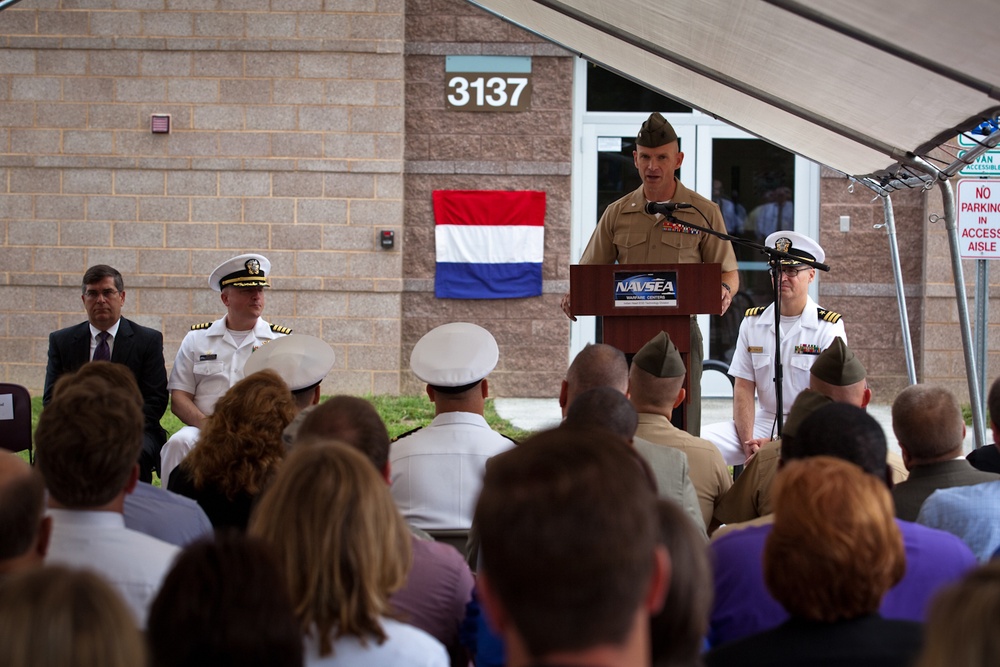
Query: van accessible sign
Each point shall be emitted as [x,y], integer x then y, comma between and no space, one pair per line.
[978,202]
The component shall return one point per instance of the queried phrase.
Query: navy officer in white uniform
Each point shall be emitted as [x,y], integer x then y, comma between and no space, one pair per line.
[211,357]
[436,472]
[806,330]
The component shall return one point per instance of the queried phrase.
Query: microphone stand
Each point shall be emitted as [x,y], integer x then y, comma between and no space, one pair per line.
[774,261]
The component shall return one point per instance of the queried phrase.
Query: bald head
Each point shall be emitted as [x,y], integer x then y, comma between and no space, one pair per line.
[596,365]
[857,394]
[23,529]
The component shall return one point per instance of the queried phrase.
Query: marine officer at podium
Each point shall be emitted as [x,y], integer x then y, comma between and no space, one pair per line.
[627,234]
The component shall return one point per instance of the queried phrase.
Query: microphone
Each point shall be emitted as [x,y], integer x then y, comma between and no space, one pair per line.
[663,207]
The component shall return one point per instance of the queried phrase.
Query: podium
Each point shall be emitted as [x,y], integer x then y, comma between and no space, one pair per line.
[636,302]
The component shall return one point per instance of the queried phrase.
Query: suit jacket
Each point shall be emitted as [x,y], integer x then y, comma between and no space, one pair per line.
[926,479]
[137,347]
[670,468]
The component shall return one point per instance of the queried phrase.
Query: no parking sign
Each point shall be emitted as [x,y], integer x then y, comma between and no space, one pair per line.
[978,202]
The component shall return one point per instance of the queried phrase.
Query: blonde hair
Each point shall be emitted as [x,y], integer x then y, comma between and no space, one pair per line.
[835,548]
[54,616]
[240,446]
[961,626]
[340,541]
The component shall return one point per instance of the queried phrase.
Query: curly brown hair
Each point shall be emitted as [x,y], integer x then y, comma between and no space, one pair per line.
[240,447]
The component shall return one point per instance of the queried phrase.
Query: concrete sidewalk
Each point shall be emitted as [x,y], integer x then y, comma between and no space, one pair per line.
[536,414]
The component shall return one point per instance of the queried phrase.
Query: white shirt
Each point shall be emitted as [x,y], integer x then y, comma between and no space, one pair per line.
[802,340]
[209,361]
[133,563]
[437,472]
[94,342]
[406,646]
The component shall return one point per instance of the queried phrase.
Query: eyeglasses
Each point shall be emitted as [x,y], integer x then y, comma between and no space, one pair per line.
[108,294]
[792,271]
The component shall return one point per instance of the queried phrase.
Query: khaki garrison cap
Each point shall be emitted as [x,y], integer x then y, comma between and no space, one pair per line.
[659,357]
[837,365]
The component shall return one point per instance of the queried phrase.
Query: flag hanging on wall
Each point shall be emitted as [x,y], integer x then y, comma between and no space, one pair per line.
[489,243]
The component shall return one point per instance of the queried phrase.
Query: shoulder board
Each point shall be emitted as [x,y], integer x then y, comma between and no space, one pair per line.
[277,328]
[828,315]
[754,312]
[203,325]
[403,435]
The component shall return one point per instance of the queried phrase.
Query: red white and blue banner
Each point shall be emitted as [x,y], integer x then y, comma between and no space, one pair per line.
[489,243]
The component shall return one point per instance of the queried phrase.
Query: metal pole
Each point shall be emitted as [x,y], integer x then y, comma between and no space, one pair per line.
[897,271]
[948,198]
[982,322]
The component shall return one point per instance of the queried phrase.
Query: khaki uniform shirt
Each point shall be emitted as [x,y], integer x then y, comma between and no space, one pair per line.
[628,235]
[705,465]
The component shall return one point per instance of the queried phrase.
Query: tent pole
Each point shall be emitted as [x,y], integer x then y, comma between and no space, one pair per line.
[897,271]
[948,197]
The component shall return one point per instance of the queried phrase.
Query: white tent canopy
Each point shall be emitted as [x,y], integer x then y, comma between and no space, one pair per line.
[874,89]
[859,86]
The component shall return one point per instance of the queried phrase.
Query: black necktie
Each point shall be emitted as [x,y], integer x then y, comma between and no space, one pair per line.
[103,350]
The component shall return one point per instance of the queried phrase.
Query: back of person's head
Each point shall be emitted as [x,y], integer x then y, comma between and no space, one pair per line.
[240,446]
[54,616]
[350,420]
[842,431]
[224,604]
[87,442]
[22,508]
[114,375]
[928,422]
[597,365]
[678,630]
[568,539]
[603,408]
[993,403]
[961,626]
[339,539]
[835,548]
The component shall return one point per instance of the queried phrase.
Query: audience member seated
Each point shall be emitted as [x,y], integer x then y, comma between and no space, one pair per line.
[934,558]
[969,512]
[439,583]
[224,604]
[437,470]
[678,631]
[343,548]
[656,385]
[571,567]
[86,446]
[833,552]
[24,528]
[930,428]
[148,509]
[54,616]
[962,626]
[987,458]
[239,450]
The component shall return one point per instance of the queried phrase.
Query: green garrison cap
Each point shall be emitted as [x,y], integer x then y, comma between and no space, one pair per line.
[659,357]
[805,404]
[838,366]
[656,131]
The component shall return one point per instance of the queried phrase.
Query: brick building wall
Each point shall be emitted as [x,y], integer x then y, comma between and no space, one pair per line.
[287,139]
[448,150]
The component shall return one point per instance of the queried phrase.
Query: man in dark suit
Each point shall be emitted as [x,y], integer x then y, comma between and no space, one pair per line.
[106,335]
[928,423]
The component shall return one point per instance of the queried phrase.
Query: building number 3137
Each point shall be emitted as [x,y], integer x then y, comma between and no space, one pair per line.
[492,93]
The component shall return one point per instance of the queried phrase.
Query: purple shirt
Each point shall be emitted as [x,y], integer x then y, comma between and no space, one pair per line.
[436,591]
[743,606]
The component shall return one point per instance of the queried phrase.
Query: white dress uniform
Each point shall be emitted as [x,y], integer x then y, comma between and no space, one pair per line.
[209,362]
[437,472]
[803,338]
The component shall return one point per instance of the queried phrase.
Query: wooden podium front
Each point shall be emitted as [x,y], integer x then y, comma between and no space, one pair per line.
[628,326]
